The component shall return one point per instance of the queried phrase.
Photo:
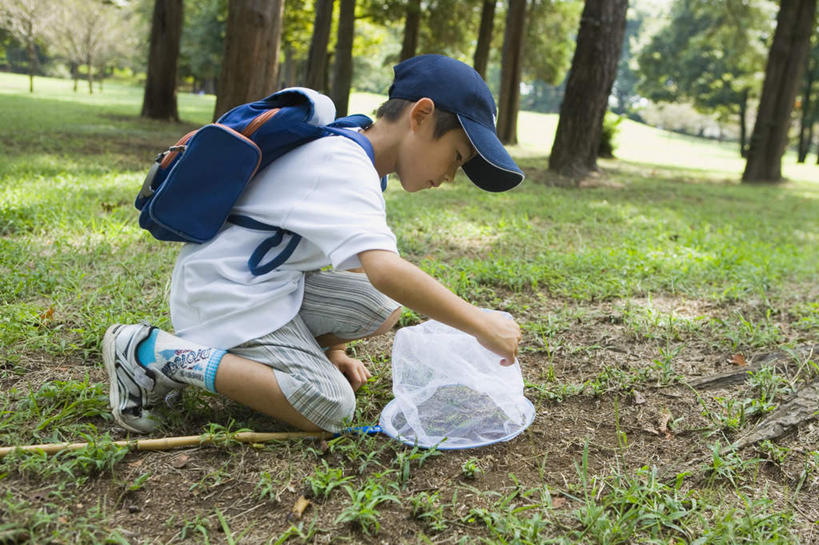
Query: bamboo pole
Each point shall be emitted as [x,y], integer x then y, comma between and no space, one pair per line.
[167,443]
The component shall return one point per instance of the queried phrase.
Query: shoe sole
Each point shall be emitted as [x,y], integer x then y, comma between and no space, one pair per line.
[109,358]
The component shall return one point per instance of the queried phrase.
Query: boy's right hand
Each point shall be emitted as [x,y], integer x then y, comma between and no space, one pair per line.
[500,334]
[412,287]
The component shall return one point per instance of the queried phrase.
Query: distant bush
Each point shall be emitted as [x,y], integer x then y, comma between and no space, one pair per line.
[611,126]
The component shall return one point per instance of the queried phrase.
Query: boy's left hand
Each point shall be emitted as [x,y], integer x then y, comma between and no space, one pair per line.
[355,371]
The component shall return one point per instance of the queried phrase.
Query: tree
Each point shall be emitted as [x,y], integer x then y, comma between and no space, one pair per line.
[481,57]
[710,54]
[447,27]
[509,97]
[203,43]
[594,67]
[549,39]
[624,90]
[786,61]
[159,100]
[343,68]
[297,32]
[412,23]
[316,76]
[250,56]
[808,108]
[551,28]
[28,21]
[430,26]
[271,79]
[89,33]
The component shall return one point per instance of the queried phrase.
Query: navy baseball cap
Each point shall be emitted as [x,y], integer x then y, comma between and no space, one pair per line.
[457,88]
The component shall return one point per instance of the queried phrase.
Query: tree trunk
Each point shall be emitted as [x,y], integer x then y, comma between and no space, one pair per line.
[594,67]
[288,76]
[75,73]
[806,120]
[481,58]
[159,100]
[248,46]
[412,23]
[317,59]
[783,73]
[743,128]
[343,68]
[32,64]
[275,38]
[509,97]
[817,153]
[90,78]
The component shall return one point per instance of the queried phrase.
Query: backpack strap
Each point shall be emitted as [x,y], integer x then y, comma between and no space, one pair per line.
[354,121]
[337,128]
[267,244]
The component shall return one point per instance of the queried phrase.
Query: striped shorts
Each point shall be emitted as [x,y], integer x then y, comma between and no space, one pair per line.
[341,303]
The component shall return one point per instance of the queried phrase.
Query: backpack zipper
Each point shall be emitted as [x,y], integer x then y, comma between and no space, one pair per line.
[174,150]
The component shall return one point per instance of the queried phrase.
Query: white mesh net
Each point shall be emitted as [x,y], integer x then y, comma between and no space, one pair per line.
[451,392]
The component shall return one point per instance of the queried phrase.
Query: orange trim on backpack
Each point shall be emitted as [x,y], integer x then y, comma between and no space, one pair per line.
[258,121]
[168,159]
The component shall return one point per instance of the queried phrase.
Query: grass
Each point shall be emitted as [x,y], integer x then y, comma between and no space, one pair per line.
[620,291]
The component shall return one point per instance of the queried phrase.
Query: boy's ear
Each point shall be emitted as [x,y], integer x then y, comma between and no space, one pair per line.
[421,112]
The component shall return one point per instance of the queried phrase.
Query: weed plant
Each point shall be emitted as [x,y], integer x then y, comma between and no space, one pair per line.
[364,502]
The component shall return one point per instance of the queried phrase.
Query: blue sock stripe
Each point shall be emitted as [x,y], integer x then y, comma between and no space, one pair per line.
[145,352]
[210,370]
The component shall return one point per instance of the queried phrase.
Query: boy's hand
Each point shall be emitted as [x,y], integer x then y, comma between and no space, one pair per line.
[355,371]
[501,335]
[413,288]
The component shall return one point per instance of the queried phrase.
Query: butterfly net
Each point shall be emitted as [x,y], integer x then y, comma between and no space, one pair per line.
[452,393]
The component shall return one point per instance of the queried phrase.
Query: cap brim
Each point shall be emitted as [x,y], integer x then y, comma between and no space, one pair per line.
[492,169]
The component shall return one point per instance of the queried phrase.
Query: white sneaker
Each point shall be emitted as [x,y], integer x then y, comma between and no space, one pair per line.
[134,390]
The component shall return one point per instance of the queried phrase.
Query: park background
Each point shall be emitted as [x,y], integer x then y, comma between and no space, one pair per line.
[668,298]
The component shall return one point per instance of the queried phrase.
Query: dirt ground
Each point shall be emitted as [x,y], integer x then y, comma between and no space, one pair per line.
[624,427]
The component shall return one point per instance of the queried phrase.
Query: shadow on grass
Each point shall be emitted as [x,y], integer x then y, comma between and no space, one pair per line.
[75,133]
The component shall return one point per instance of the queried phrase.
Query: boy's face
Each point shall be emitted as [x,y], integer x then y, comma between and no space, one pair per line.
[425,162]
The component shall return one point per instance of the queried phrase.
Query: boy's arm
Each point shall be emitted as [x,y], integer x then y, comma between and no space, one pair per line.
[412,287]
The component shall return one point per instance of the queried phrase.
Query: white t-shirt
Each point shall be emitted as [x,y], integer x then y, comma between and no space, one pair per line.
[327,191]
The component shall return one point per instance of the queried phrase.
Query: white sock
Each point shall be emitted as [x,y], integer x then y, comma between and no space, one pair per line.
[180,360]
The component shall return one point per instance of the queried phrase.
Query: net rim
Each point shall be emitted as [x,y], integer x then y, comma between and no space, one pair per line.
[388,430]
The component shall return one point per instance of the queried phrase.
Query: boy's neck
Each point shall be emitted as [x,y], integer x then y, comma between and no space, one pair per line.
[385,146]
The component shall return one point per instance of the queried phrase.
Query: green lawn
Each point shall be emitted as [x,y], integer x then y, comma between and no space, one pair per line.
[665,269]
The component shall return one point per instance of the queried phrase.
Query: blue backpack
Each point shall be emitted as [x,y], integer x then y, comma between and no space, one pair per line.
[191,188]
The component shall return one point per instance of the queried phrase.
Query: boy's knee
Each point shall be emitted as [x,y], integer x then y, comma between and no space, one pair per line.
[390,322]
[341,409]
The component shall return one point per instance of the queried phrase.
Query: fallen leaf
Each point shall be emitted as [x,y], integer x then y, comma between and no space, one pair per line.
[180,461]
[639,398]
[738,359]
[663,424]
[650,430]
[298,508]
[324,446]
[47,315]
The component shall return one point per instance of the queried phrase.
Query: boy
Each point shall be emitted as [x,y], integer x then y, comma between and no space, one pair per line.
[281,335]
